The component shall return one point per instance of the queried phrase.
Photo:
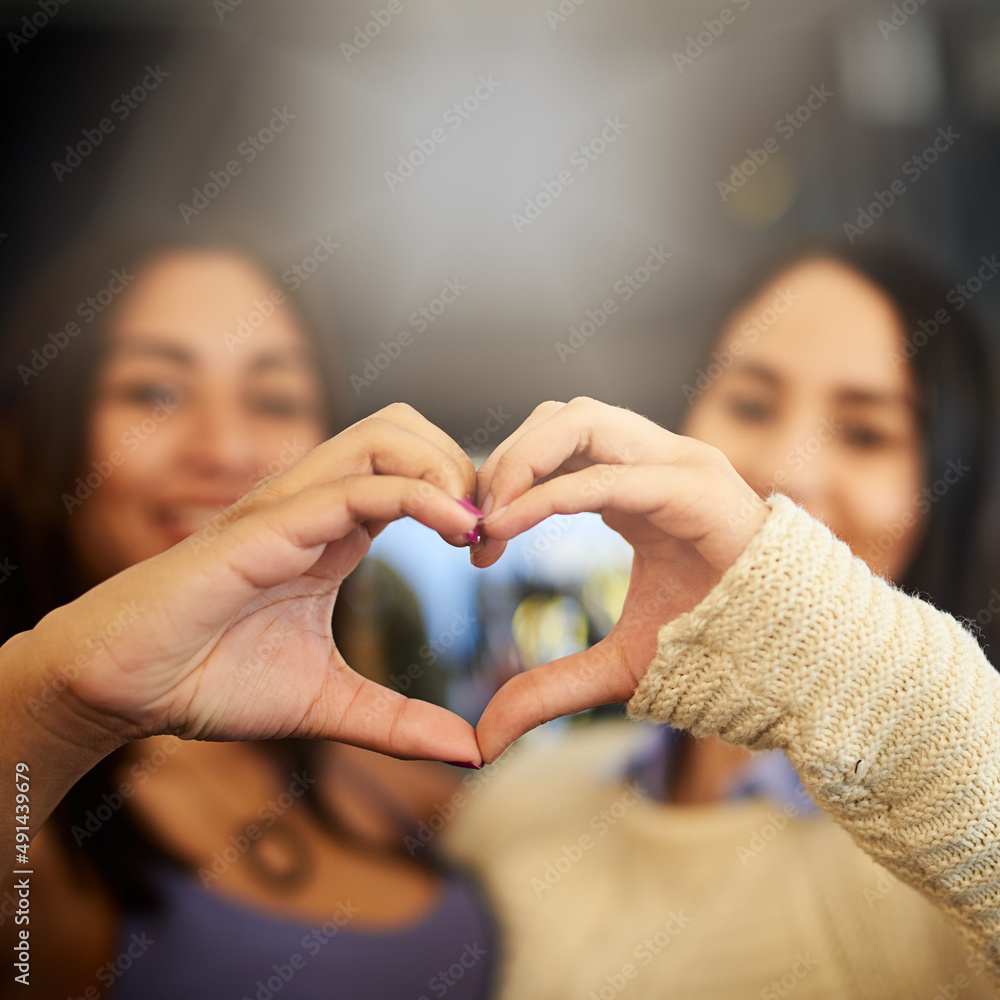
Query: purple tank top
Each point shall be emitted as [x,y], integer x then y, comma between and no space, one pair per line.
[203,946]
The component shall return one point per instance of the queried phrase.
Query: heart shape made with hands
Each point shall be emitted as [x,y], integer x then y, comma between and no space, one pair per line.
[236,640]
[595,676]
[679,503]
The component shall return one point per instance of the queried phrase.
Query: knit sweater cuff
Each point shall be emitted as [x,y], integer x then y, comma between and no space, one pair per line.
[886,706]
[741,663]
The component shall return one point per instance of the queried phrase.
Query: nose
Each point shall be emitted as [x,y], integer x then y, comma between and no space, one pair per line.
[796,460]
[220,442]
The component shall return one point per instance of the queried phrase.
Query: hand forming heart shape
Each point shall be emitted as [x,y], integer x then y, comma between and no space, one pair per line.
[232,641]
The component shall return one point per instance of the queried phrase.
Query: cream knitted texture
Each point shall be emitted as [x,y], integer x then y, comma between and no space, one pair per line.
[886,707]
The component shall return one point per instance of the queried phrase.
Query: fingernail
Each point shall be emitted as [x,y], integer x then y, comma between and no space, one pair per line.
[488,505]
[477,546]
[464,763]
[470,507]
[499,755]
[498,513]
[475,536]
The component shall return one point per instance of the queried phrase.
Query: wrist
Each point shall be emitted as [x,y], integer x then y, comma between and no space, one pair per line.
[51,744]
[44,713]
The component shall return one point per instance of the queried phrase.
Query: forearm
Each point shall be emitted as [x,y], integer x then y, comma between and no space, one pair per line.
[48,741]
[886,706]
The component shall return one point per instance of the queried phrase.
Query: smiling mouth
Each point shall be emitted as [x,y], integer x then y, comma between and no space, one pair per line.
[185,519]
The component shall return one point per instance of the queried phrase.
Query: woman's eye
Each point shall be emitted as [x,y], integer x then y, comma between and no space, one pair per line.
[864,438]
[750,410]
[279,406]
[151,394]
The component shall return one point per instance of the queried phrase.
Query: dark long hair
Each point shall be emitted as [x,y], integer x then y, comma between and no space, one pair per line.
[953,371]
[50,356]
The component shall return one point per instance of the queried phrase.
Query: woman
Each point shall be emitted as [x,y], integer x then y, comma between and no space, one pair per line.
[188,379]
[826,399]
[272,563]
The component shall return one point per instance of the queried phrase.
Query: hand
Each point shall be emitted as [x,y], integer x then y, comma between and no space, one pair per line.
[677,502]
[231,638]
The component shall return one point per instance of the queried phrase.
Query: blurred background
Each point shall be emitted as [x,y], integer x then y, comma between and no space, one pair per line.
[483,176]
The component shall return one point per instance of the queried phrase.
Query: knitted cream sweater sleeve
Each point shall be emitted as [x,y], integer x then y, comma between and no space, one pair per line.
[886,706]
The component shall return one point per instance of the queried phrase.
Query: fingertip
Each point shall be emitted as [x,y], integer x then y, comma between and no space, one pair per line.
[488,553]
[495,516]
[496,756]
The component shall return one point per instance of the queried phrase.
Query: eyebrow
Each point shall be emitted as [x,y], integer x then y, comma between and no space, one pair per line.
[851,396]
[286,358]
[154,349]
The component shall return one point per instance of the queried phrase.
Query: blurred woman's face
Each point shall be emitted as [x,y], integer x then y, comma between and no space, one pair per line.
[810,397]
[208,386]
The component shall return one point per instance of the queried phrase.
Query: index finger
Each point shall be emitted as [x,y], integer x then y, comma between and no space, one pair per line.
[395,441]
[582,433]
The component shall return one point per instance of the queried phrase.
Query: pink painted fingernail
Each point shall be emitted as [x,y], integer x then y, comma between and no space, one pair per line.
[470,507]
[464,763]
[475,536]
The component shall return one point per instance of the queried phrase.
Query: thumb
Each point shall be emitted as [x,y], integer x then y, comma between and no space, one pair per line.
[381,719]
[596,676]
